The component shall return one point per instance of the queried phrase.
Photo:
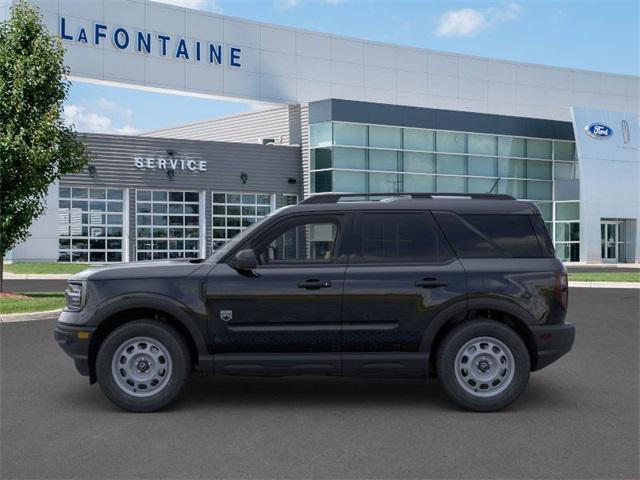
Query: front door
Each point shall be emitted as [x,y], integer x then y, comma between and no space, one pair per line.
[401,273]
[609,231]
[291,303]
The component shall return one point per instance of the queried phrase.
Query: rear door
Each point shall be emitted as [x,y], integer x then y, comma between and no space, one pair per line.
[401,273]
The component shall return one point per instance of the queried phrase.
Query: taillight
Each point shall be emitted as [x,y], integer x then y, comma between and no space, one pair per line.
[562,289]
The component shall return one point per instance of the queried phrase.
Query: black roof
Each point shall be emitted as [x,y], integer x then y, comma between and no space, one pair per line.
[453,202]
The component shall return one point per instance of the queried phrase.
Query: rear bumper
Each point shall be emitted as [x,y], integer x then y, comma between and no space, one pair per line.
[75,345]
[552,342]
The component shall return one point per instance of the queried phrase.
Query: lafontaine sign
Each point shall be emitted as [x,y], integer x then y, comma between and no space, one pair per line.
[162,45]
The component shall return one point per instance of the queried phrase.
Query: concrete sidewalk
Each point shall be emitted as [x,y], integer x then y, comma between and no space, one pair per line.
[35,276]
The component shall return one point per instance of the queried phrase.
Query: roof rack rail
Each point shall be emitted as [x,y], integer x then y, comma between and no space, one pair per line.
[336,197]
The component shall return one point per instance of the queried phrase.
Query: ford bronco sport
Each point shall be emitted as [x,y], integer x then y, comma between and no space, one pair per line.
[465,288]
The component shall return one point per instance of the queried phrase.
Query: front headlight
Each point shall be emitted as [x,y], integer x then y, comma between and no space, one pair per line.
[73,297]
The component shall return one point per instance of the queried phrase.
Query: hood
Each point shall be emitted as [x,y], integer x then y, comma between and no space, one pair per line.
[138,270]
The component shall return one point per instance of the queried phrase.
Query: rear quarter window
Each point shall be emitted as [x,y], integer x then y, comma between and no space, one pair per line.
[491,235]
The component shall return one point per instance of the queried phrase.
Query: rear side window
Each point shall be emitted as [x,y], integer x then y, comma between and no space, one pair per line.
[544,239]
[400,237]
[491,236]
[467,242]
[513,234]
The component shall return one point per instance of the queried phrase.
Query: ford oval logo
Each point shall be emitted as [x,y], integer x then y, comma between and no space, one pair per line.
[599,131]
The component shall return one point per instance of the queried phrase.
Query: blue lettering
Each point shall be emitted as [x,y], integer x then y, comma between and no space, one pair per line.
[197,51]
[82,36]
[144,39]
[117,37]
[182,49]
[99,33]
[234,56]
[215,53]
[163,39]
[63,33]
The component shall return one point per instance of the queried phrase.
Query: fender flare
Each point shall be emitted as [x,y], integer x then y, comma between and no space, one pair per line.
[165,304]
[462,308]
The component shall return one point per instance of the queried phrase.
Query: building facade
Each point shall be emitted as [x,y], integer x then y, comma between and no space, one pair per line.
[356,116]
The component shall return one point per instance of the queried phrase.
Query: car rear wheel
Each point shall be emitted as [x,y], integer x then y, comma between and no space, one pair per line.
[483,365]
[143,365]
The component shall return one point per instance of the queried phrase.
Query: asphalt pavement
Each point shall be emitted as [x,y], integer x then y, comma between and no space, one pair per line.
[578,418]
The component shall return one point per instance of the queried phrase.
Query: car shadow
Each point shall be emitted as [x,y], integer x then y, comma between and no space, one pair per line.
[309,392]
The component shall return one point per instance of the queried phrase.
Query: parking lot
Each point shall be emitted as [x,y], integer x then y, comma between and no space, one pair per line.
[577,419]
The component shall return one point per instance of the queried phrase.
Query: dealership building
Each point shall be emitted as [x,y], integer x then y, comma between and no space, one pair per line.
[342,115]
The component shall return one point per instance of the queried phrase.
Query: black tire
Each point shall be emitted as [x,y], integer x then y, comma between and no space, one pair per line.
[452,383]
[179,360]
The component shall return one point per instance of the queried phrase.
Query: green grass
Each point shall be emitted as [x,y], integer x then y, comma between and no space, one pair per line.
[605,276]
[36,302]
[45,268]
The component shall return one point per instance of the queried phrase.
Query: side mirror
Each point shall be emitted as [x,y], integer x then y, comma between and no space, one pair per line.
[246,260]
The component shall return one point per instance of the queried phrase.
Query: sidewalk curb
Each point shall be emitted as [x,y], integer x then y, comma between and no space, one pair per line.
[30,316]
[630,285]
[36,276]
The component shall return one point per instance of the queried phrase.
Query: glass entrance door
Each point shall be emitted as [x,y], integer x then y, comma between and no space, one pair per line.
[609,232]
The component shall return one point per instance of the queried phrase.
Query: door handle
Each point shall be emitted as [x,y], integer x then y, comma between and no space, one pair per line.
[314,284]
[431,283]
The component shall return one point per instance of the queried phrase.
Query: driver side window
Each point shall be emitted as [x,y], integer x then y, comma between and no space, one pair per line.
[303,242]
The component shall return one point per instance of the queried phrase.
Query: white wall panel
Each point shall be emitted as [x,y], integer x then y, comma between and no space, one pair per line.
[165,19]
[241,33]
[124,12]
[301,61]
[277,40]
[411,59]
[347,50]
[312,45]
[204,27]
[379,77]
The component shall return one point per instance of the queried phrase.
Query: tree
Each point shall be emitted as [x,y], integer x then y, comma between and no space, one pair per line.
[36,147]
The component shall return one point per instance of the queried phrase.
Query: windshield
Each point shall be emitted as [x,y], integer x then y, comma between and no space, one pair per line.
[223,250]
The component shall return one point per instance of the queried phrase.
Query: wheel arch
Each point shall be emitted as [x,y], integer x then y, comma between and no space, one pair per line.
[498,309]
[123,310]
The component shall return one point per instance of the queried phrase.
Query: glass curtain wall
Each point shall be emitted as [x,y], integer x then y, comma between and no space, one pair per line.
[232,212]
[90,224]
[167,224]
[347,157]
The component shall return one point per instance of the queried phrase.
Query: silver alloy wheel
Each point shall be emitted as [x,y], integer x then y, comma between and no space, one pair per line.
[484,366]
[141,366]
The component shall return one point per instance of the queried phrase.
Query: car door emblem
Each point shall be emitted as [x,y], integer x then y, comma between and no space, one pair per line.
[226,315]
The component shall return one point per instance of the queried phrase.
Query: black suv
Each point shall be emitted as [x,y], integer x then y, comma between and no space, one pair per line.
[463,287]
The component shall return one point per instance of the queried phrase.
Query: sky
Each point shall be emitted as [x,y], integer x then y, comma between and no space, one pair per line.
[600,35]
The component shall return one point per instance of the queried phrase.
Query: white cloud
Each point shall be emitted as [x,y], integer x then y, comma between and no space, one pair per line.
[208,5]
[467,22]
[286,4]
[86,120]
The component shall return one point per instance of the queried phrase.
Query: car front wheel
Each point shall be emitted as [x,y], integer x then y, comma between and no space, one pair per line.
[483,365]
[143,365]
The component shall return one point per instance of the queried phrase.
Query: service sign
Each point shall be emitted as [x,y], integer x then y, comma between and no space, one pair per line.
[171,163]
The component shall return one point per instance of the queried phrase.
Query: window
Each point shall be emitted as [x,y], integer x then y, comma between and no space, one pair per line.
[90,225]
[289,199]
[299,242]
[233,212]
[348,134]
[467,241]
[167,224]
[321,134]
[385,137]
[513,234]
[407,237]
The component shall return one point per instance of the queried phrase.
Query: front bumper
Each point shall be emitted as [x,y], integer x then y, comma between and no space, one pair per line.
[552,342]
[74,340]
